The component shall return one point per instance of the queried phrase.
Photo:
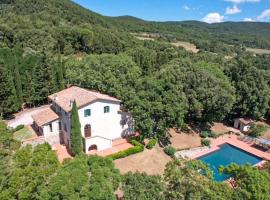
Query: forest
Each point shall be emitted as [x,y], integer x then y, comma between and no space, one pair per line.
[47,44]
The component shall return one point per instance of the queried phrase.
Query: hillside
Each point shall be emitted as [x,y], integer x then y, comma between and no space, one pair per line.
[66,25]
[255,34]
[52,25]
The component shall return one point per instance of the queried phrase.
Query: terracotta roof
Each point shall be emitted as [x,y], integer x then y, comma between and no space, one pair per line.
[45,117]
[80,95]
[245,121]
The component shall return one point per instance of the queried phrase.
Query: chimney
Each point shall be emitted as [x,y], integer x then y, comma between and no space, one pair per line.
[55,97]
[69,85]
[71,103]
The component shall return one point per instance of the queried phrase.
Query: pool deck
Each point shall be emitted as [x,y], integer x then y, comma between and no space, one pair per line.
[234,141]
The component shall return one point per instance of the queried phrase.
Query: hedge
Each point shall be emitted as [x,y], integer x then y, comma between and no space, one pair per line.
[136,143]
[138,147]
[151,144]
[19,127]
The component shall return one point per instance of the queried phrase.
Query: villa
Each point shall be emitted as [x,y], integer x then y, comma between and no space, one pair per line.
[101,117]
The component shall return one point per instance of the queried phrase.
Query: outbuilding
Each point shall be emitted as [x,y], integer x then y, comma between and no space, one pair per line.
[243,124]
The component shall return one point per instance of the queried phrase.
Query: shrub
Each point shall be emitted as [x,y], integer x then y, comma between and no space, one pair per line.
[170,151]
[256,130]
[151,144]
[138,147]
[136,143]
[130,151]
[205,142]
[204,134]
[212,134]
[19,127]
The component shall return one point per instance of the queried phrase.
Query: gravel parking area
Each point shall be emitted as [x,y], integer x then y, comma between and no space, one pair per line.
[24,117]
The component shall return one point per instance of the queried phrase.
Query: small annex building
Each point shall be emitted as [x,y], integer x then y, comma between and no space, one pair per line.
[243,124]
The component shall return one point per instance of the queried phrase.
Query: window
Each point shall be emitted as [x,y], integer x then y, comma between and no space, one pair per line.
[106,109]
[87,113]
[51,128]
[87,131]
[60,126]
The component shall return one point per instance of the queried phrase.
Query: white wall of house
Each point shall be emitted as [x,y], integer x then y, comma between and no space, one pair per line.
[101,143]
[52,136]
[65,122]
[105,127]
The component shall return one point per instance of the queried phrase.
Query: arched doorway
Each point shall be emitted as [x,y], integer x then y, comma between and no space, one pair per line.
[92,148]
[87,130]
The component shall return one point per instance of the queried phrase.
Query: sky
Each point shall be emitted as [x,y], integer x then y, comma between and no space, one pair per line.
[210,11]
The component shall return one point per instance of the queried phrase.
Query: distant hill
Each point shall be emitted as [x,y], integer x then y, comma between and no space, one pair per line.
[250,34]
[50,25]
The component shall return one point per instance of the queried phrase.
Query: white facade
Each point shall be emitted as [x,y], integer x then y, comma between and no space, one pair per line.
[51,132]
[105,127]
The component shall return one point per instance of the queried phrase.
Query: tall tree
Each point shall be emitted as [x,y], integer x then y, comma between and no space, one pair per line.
[75,135]
[17,76]
[59,70]
[8,98]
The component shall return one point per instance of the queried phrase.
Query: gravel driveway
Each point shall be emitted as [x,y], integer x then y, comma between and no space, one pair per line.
[24,117]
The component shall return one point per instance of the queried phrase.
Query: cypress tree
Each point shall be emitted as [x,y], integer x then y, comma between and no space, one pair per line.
[17,79]
[75,135]
[8,98]
[42,80]
[60,74]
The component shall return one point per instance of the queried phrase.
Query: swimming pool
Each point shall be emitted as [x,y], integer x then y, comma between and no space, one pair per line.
[226,155]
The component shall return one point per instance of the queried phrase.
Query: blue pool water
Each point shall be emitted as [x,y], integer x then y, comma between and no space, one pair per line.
[226,155]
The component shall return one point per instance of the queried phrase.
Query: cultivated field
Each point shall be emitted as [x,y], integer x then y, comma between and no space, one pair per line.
[258,51]
[186,45]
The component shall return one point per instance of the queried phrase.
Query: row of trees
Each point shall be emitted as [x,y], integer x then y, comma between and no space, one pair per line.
[27,79]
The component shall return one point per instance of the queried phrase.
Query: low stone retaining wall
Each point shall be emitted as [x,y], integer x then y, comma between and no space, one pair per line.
[33,141]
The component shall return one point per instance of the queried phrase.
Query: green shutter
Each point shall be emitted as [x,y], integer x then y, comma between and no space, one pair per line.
[106,109]
[87,113]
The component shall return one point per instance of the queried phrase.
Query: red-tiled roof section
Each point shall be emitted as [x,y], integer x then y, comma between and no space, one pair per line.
[80,95]
[245,121]
[45,117]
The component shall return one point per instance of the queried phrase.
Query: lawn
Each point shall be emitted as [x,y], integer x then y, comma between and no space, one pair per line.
[22,134]
[153,162]
[182,141]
